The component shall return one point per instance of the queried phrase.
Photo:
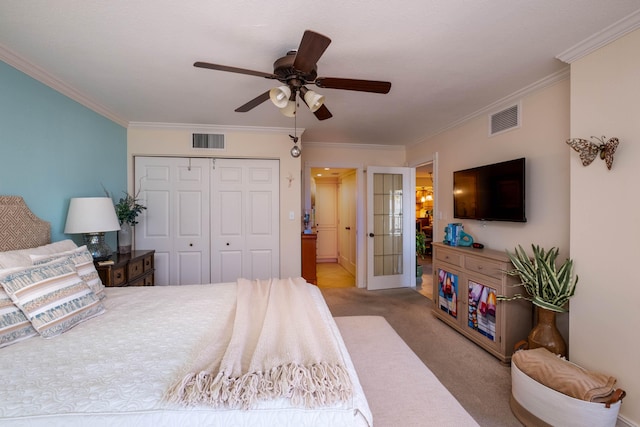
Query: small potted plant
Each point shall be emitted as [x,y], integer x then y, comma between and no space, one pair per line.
[548,288]
[127,210]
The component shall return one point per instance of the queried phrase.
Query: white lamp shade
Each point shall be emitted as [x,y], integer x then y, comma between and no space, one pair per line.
[290,109]
[280,96]
[91,215]
[314,100]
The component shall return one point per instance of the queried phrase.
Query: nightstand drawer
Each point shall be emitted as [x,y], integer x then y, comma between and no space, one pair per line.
[132,269]
[147,263]
[143,281]
[118,277]
[135,269]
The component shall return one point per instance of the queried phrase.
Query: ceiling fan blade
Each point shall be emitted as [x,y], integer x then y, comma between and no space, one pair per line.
[253,103]
[323,113]
[311,48]
[353,84]
[234,70]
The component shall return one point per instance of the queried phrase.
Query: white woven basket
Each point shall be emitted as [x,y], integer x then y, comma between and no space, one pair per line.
[535,404]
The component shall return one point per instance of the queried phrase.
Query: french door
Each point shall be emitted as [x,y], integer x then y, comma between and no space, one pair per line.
[391,228]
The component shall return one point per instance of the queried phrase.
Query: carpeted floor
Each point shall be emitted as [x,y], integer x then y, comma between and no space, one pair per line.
[478,380]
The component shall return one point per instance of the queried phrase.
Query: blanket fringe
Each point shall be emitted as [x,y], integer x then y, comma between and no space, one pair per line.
[320,384]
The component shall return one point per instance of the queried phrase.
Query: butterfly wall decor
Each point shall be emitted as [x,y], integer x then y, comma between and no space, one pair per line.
[589,150]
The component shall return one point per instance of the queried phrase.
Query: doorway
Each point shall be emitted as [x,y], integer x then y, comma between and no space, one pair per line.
[333,213]
[425,199]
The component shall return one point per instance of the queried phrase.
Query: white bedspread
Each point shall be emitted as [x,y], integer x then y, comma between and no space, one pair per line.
[114,369]
[280,347]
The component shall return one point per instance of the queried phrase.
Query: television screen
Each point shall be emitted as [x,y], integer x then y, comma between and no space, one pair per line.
[492,192]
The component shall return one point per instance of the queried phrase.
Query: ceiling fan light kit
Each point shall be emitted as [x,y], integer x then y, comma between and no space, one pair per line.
[280,96]
[313,100]
[296,69]
[289,110]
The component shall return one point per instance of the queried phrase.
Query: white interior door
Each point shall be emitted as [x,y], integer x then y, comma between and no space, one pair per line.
[327,221]
[391,231]
[176,222]
[245,220]
[347,223]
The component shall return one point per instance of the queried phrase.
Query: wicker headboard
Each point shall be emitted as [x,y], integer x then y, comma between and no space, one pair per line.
[19,227]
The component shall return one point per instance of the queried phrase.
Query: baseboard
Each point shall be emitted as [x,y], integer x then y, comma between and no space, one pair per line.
[623,422]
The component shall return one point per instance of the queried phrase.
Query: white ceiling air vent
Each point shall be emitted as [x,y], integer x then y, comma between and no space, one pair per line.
[504,120]
[212,141]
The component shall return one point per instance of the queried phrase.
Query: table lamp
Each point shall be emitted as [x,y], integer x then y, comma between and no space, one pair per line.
[92,216]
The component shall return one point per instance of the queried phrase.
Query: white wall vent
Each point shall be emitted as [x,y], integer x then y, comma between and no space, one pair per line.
[504,120]
[212,141]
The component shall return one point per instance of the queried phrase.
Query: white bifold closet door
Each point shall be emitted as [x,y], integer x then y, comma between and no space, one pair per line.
[209,220]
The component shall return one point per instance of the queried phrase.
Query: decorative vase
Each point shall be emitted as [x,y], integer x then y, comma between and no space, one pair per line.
[546,334]
[124,238]
[419,272]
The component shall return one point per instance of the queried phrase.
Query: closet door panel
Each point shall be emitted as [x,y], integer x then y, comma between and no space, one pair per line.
[176,192]
[245,219]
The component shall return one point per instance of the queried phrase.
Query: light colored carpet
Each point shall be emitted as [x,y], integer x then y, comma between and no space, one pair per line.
[480,382]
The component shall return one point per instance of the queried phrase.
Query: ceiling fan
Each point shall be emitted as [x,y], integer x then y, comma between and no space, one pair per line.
[295,70]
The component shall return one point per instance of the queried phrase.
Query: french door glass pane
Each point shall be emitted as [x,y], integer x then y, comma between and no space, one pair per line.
[387,224]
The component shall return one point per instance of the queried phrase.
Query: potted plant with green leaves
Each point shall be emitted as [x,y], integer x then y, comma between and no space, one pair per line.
[127,210]
[421,250]
[548,287]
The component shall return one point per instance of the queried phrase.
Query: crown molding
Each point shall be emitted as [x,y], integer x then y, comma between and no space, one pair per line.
[39,74]
[507,100]
[203,128]
[352,146]
[609,34]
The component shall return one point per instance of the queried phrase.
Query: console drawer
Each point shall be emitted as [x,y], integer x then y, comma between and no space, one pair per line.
[483,266]
[449,257]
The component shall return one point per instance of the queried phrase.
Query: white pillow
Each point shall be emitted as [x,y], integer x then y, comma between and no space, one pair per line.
[83,261]
[52,296]
[20,257]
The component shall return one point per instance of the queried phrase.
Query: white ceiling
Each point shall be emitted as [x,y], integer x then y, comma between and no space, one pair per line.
[447,59]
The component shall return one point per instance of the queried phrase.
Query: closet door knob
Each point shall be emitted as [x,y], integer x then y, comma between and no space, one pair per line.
[371,235]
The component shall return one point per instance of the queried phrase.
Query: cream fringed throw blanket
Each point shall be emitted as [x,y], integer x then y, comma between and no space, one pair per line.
[278,346]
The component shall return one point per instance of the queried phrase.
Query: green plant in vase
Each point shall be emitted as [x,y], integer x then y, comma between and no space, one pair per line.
[127,210]
[548,287]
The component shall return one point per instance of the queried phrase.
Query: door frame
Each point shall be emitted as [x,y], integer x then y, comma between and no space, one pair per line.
[361,253]
[437,214]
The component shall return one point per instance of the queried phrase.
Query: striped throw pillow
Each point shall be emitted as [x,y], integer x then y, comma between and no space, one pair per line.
[83,261]
[52,296]
[14,326]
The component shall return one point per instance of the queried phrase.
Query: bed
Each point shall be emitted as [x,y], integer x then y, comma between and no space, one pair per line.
[118,365]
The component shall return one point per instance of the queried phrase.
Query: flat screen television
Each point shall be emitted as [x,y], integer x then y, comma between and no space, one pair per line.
[491,193]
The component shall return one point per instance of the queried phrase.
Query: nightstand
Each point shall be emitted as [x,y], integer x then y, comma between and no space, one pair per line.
[133,269]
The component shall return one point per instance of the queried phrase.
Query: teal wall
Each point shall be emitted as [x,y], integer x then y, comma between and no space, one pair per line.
[52,149]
